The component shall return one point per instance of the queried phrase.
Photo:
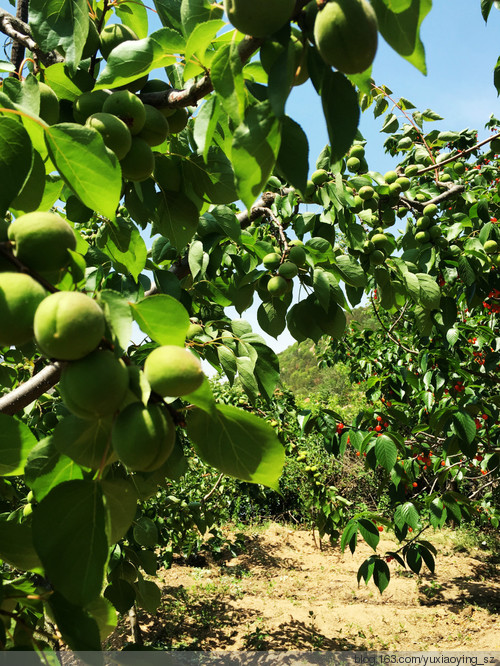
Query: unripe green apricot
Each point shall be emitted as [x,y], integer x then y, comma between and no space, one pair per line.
[357,151]
[404,183]
[155,85]
[346,33]
[288,270]
[298,255]
[405,143]
[258,18]
[173,371]
[155,128]
[89,103]
[434,232]
[411,170]
[277,286]
[390,177]
[42,241]
[353,164]
[366,192]
[193,331]
[114,132]
[459,168]
[377,257]
[379,241]
[491,246]
[113,35]
[139,163]
[20,295]
[177,120]
[94,386]
[320,176]
[68,325]
[395,189]
[128,107]
[143,437]
[422,236]
[49,104]
[430,210]
[423,222]
[272,260]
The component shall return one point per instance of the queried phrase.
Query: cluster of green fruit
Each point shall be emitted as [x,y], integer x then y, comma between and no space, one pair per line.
[386,199]
[69,326]
[344,31]
[283,268]
[427,230]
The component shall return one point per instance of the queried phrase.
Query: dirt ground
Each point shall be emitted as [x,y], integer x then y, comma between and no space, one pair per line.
[284,593]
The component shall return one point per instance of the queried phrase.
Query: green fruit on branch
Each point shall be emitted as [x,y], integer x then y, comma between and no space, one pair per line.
[377,257]
[288,270]
[68,325]
[94,386]
[353,164]
[42,241]
[491,247]
[193,331]
[177,120]
[404,183]
[136,84]
[411,170]
[114,132]
[143,437]
[139,163]
[434,232]
[155,128]
[405,143]
[357,150]
[173,371]
[49,104]
[128,107]
[346,34]
[259,18]
[89,103]
[272,260]
[422,236]
[297,255]
[366,192]
[320,176]
[20,295]
[390,177]
[277,286]
[155,85]
[423,223]
[395,189]
[271,51]
[459,168]
[113,35]
[31,194]
[430,210]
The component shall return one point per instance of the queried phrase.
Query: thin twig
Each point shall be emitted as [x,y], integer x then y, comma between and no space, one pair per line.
[395,340]
[211,492]
[24,394]
[20,32]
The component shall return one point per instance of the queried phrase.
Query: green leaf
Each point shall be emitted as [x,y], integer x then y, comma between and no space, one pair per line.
[341,109]
[87,442]
[104,614]
[163,318]
[195,12]
[120,501]
[350,271]
[121,594]
[15,159]
[146,532]
[205,124]
[437,513]
[122,242]
[203,397]
[496,76]
[464,426]
[369,532]
[47,468]
[199,39]
[118,316]
[427,557]
[401,29]
[238,443]
[16,545]
[255,148]
[227,79]
[366,569]
[169,13]
[272,317]
[132,59]
[65,87]
[386,452]
[177,218]
[349,536]
[16,441]
[63,24]
[75,553]
[430,293]
[293,156]
[267,369]
[414,558]
[148,595]
[246,376]
[86,166]
[381,574]
[135,16]
[486,6]
[77,626]
[406,514]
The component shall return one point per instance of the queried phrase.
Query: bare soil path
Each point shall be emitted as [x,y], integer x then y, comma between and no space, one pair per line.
[283,593]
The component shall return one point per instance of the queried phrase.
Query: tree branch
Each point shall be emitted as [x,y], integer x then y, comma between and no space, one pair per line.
[24,394]
[20,32]
[18,49]
[462,153]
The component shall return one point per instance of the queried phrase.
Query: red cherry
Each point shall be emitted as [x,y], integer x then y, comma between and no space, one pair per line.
[378,428]
[380,528]
[414,484]
[379,418]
